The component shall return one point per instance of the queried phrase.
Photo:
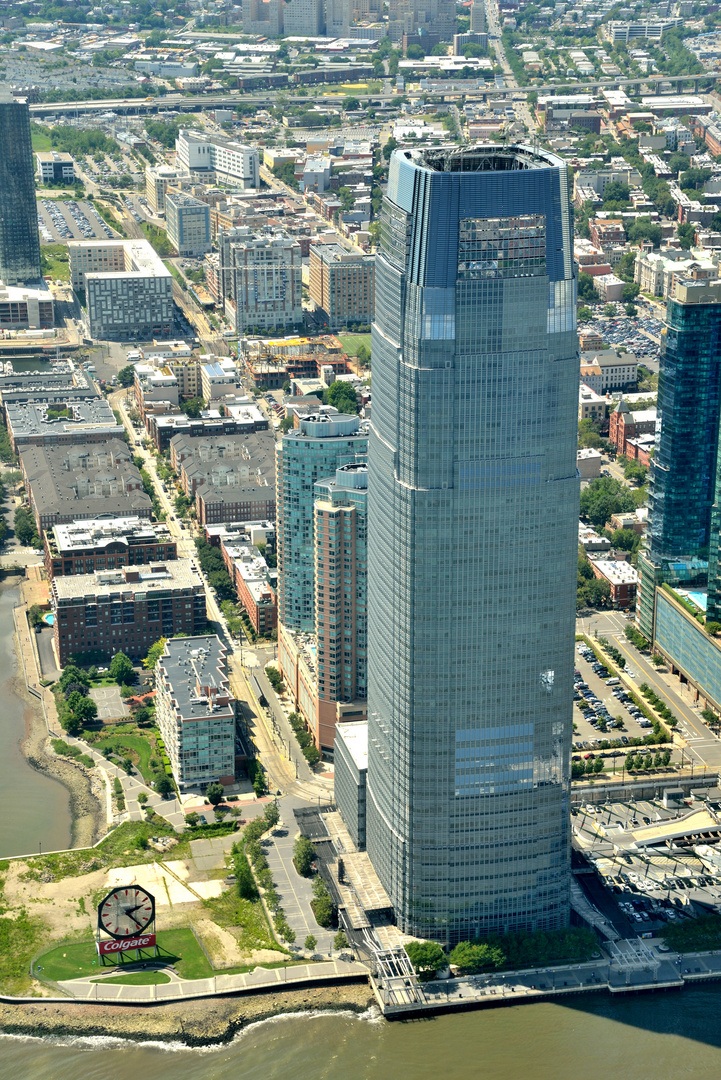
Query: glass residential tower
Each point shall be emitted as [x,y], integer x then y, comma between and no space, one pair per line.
[472,541]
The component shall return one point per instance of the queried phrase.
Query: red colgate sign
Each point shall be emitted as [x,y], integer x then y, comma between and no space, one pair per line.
[143,941]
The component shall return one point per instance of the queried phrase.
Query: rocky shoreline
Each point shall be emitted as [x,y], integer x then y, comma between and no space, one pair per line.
[88,819]
[193,1023]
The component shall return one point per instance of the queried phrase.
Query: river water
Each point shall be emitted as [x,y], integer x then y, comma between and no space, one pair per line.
[665,1036]
[33,808]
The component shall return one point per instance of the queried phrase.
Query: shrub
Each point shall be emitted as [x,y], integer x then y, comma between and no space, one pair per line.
[303,856]
[322,903]
[244,881]
[471,958]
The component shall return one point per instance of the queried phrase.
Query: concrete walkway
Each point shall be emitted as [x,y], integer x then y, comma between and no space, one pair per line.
[250,982]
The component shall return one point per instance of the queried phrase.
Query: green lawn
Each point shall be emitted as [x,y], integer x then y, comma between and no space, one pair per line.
[138,978]
[352,342]
[40,140]
[55,261]
[176,947]
[135,747]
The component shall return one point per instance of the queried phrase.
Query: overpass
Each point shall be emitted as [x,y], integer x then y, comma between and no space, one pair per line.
[196,103]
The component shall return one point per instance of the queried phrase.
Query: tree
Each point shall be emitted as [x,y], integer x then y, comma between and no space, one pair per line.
[625,539]
[470,958]
[631,310]
[35,615]
[415,52]
[389,148]
[616,191]
[244,880]
[584,314]
[598,765]
[192,407]
[713,628]
[303,856]
[644,229]
[310,943]
[351,104]
[83,707]
[342,396]
[340,941]
[72,674]
[586,290]
[630,291]
[604,497]
[686,233]
[286,424]
[154,653]
[272,814]
[143,715]
[163,785]
[427,957]
[121,669]
[25,530]
[126,375]
[192,819]
[609,310]
[215,793]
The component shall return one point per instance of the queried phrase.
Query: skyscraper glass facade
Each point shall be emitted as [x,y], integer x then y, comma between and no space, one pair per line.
[472,536]
[310,452]
[683,469]
[19,236]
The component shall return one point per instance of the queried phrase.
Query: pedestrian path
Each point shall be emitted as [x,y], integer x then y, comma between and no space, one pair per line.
[248,982]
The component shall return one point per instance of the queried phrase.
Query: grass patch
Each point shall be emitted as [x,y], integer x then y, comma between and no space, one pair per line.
[78,959]
[54,259]
[40,140]
[352,342]
[138,978]
[694,935]
[121,847]
[19,939]
[229,909]
[176,274]
[135,747]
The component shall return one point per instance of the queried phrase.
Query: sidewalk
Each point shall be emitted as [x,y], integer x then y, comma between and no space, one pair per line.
[250,982]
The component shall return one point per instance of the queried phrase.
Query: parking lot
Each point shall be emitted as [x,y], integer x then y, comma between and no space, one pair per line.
[642,890]
[629,332]
[61,221]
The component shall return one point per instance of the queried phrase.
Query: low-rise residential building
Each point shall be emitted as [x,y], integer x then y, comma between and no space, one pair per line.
[231,477]
[609,287]
[219,379]
[591,406]
[70,420]
[188,224]
[342,285]
[249,573]
[126,610]
[195,711]
[105,543]
[589,462]
[81,483]
[607,369]
[625,427]
[621,576]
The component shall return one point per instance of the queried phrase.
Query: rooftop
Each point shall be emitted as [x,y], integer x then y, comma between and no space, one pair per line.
[483,158]
[194,670]
[617,572]
[355,738]
[99,532]
[28,419]
[130,582]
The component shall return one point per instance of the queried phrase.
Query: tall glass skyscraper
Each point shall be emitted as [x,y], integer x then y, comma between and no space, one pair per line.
[472,541]
[19,236]
[683,469]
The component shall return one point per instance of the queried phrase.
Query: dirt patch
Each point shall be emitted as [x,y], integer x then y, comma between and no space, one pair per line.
[220,944]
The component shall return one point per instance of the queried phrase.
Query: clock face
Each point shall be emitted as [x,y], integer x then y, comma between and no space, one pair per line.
[126,912]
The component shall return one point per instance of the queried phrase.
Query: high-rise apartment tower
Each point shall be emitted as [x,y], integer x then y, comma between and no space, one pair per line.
[472,541]
[19,236]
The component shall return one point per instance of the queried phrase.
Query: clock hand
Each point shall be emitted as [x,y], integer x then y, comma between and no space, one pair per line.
[130,910]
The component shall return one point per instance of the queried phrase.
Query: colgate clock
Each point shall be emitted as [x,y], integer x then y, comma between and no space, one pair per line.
[126,912]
